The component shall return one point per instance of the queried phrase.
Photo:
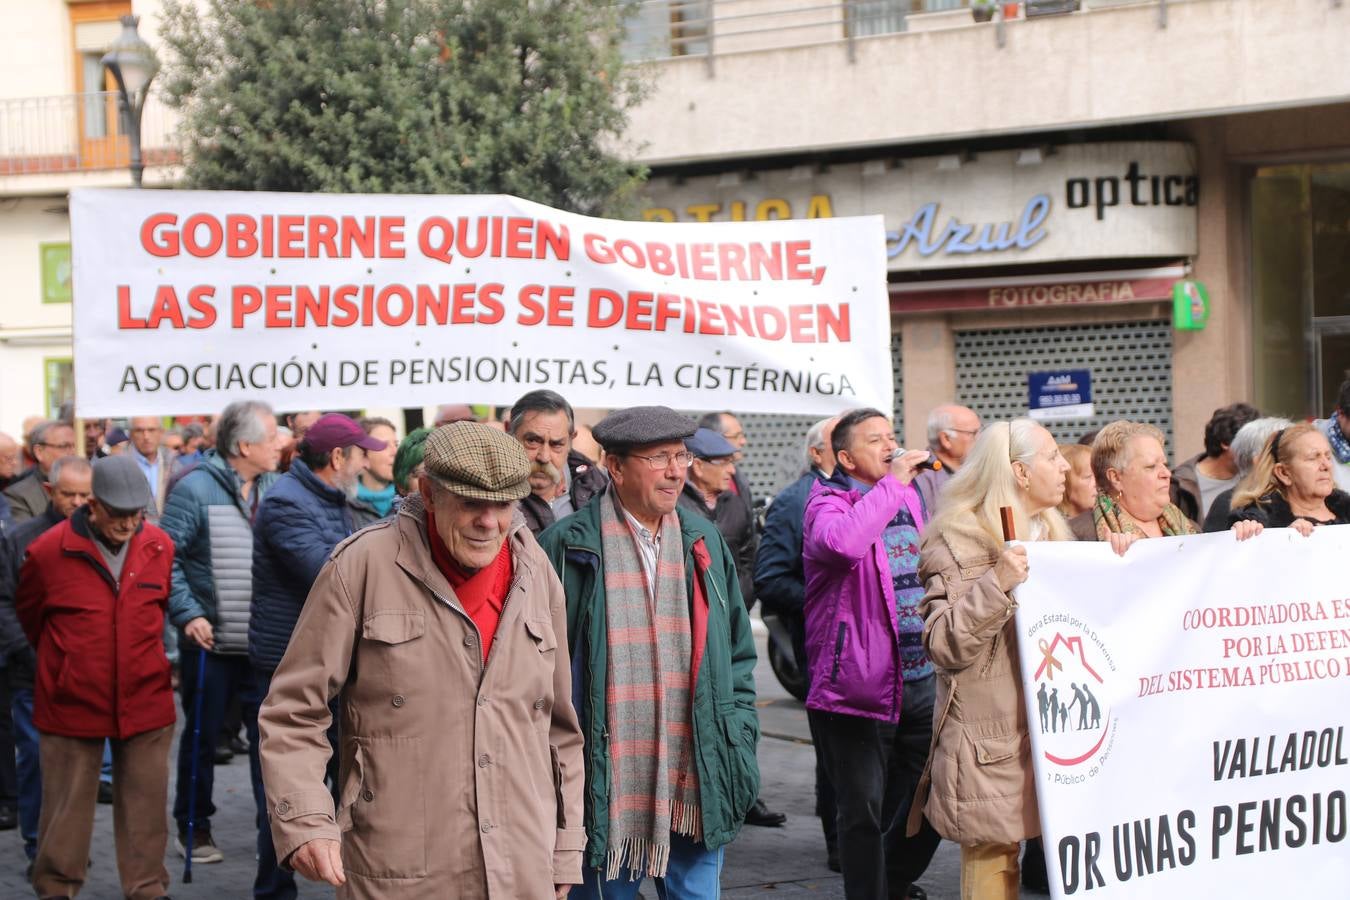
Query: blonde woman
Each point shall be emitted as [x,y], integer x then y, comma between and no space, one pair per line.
[1291,485]
[1080,488]
[1134,484]
[979,789]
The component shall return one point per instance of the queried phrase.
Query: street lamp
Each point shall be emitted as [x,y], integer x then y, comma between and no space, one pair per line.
[133,66]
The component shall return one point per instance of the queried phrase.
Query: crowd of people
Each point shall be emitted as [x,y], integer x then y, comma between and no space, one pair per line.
[514,658]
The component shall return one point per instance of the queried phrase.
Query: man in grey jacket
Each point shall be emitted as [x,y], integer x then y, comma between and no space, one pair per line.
[209,516]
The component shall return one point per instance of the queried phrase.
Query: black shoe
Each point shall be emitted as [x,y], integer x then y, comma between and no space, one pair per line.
[9,818]
[759,814]
[916,893]
[105,792]
[832,859]
[239,746]
[223,753]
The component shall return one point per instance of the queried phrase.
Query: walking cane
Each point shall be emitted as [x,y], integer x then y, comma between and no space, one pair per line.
[1005,515]
[196,752]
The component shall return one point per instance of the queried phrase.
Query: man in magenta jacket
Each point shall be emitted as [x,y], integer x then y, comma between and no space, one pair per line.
[91,599]
[872,685]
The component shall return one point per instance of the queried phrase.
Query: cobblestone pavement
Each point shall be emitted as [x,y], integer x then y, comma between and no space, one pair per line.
[779,862]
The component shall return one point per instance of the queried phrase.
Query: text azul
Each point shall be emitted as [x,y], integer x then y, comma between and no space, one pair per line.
[958,237]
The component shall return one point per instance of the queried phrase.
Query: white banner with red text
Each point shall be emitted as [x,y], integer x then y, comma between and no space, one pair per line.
[186,300]
[1188,712]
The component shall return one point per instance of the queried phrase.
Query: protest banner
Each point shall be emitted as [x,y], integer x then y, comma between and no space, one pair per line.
[185,300]
[1188,715]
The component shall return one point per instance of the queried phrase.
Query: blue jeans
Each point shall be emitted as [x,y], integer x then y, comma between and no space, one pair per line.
[694,873]
[225,675]
[29,769]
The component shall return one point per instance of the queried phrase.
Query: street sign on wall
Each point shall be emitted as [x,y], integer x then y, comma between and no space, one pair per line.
[1065,394]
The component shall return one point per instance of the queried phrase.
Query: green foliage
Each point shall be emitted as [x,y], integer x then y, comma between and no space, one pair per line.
[524,97]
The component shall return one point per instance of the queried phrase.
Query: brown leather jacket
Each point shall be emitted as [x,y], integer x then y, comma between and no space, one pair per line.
[979,786]
[457,780]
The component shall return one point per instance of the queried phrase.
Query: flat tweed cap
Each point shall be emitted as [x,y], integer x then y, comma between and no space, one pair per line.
[477,462]
[639,425]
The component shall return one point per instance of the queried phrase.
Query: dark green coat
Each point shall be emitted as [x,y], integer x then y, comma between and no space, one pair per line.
[726,724]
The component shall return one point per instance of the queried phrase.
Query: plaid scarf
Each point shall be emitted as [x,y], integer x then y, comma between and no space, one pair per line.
[1106,516]
[1339,444]
[649,700]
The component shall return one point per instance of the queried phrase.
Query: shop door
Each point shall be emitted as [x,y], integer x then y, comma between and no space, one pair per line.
[1300,231]
[774,458]
[1130,362]
[1333,362]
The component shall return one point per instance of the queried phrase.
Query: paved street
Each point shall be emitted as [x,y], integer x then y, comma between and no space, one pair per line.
[782,862]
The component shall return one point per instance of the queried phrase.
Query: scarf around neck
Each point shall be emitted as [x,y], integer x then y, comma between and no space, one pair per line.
[1106,516]
[1340,444]
[649,699]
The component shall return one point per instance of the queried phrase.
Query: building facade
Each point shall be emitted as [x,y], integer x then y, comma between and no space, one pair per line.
[1045,180]
[59,129]
[1063,188]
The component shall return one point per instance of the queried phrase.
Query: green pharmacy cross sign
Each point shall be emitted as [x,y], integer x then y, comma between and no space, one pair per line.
[1190,306]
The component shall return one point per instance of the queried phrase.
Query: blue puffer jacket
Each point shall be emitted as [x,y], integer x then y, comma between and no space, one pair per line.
[299,523]
[210,524]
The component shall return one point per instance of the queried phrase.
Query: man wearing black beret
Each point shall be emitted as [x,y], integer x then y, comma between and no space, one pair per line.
[663,665]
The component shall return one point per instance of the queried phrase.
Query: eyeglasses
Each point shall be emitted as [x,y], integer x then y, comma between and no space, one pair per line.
[965,431]
[719,461]
[658,461]
[67,447]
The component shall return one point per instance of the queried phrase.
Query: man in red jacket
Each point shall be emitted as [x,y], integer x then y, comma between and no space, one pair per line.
[91,599]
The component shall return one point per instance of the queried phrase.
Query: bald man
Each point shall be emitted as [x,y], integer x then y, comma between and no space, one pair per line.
[951,433]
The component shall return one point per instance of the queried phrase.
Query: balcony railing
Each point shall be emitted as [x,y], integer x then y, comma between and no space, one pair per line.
[662,29]
[80,132]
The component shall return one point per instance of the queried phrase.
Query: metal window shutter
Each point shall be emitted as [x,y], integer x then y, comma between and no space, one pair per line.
[1131,365]
[773,458]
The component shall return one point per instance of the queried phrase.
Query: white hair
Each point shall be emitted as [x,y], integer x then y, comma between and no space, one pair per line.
[941,419]
[1251,439]
[815,440]
[240,422]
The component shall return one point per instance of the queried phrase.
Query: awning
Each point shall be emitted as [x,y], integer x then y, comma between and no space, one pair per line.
[1037,291]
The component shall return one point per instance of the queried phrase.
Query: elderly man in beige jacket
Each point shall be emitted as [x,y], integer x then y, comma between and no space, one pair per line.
[442,635]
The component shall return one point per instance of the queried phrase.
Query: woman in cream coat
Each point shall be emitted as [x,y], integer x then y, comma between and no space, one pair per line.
[979,789]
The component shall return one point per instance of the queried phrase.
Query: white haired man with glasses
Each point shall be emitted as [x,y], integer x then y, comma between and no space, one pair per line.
[663,669]
[952,431]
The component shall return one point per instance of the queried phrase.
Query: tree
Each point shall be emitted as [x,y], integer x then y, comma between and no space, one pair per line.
[524,97]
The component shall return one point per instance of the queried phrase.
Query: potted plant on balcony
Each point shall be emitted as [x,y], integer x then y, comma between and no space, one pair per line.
[983,10]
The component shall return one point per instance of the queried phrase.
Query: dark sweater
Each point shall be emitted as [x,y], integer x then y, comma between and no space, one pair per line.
[1273,511]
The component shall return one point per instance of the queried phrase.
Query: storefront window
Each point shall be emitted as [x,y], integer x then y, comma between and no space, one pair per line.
[1301,286]
[60,383]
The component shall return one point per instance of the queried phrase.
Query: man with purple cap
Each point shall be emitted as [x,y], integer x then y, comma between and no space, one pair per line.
[663,669]
[304,516]
[91,599]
